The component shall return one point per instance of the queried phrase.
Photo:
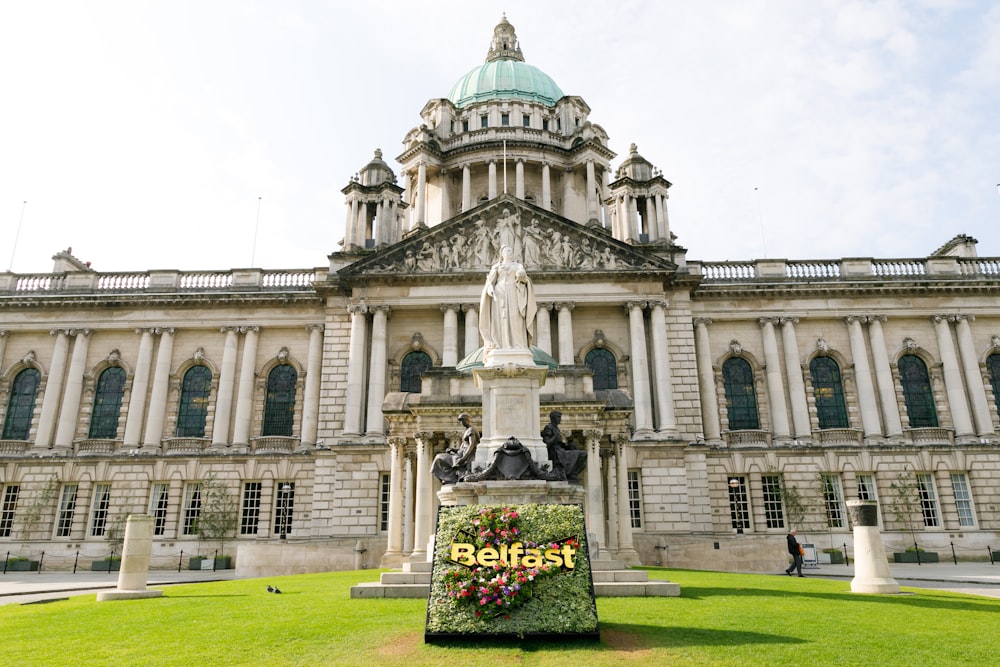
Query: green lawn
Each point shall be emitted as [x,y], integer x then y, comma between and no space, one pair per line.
[720,619]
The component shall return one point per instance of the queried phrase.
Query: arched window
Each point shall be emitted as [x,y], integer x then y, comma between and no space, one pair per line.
[993,367]
[279,406]
[193,409]
[917,391]
[741,401]
[21,405]
[107,403]
[605,368]
[413,366]
[828,389]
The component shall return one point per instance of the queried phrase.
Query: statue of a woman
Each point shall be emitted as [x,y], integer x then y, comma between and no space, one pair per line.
[507,306]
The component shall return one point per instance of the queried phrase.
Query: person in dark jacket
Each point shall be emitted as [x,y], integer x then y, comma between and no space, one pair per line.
[795,549]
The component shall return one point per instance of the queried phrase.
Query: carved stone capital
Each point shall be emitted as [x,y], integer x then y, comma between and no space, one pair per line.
[702,321]
[565,305]
[853,319]
[631,305]
[397,444]
[548,305]
[938,319]
[250,329]
[4,333]
[445,307]
[357,309]
[315,327]
[876,318]
[466,307]
[659,303]
[764,321]
[381,309]
[788,320]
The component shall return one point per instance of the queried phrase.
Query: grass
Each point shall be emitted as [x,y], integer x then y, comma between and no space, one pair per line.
[720,619]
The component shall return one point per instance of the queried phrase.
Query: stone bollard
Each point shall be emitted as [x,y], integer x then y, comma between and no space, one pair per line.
[134,571]
[871,567]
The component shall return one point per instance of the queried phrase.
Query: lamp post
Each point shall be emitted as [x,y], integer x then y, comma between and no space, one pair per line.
[286,491]
[734,484]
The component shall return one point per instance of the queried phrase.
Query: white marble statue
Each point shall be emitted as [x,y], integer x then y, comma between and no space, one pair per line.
[507,306]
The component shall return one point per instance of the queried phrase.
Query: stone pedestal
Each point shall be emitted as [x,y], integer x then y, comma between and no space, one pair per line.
[511,492]
[134,571]
[510,404]
[871,567]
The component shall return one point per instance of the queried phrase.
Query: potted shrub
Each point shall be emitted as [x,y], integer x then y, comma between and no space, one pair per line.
[915,555]
[832,556]
[21,564]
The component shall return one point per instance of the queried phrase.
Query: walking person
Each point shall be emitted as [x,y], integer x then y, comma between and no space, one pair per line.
[795,549]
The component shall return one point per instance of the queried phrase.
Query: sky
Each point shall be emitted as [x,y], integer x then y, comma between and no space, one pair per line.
[217,135]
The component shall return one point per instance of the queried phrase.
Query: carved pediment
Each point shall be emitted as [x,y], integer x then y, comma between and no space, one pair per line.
[471,242]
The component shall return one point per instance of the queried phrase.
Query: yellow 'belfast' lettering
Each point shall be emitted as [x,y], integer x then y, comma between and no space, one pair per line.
[516,554]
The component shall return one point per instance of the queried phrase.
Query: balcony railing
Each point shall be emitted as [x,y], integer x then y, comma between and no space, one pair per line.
[274,444]
[847,269]
[747,438]
[160,281]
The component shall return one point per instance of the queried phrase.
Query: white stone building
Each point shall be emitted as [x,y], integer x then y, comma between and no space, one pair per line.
[704,392]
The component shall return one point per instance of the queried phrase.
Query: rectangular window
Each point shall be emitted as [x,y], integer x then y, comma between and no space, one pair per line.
[928,500]
[10,494]
[99,509]
[505,119]
[963,499]
[833,499]
[866,487]
[158,503]
[634,499]
[484,121]
[773,511]
[383,504]
[250,513]
[67,508]
[545,124]
[526,120]
[192,509]
[739,503]
[284,508]
[465,125]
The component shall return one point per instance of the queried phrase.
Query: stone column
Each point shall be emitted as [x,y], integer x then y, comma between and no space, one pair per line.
[973,376]
[650,220]
[350,226]
[133,573]
[546,188]
[662,381]
[153,436]
[953,385]
[420,217]
[3,345]
[626,549]
[310,399]
[376,371]
[244,395]
[492,180]
[611,475]
[706,381]
[409,502]
[863,378]
[466,187]
[565,333]
[70,413]
[449,350]
[662,229]
[775,385]
[883,375]
[394,542]
[53,390]
[471,328]
[871,566]
[227,381]
[422,515]
[633,218]
[356,369]
[592,211]
[640,368]
[519,178]
[140,386]
[543,328]
[801,427]
[595,490]
[361,224]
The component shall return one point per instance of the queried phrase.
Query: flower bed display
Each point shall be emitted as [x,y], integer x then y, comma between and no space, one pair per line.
[511,571]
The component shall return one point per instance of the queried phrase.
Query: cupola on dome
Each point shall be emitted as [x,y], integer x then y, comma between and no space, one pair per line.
[505,75]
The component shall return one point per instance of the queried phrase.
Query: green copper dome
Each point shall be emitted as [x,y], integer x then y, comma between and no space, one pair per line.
[505,75]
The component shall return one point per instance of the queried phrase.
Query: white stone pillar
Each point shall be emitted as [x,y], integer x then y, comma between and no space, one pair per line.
[350,226]
[227,380]
[53,390]
[376,371]
[449,349]
[519,178]
[492,180]
[595,489]
[650,220]
[953,385]
[394,540]
[361,224]
[973,376]
[466,187]
[421,215]
[662,232]
[801,427]
[70,413]
[310,399]
[543,328]
[140,386]
[356,369]
[409,502]
[592,211]
[422,515]
[244,395]
[546,188]
[471,328]
[626,547]
[640,368]
[633,218]
[893,423]
[662,381]
[153,435]
[611,476]
[566,357]
[863,378]
[775,385]
[706,381]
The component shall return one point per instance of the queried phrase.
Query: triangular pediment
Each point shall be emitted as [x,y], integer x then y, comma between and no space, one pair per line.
[470,243]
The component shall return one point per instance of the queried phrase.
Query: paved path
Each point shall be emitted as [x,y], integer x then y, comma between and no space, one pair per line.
[979,578]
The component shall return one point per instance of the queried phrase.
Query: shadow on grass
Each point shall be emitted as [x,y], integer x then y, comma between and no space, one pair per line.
[920,598]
